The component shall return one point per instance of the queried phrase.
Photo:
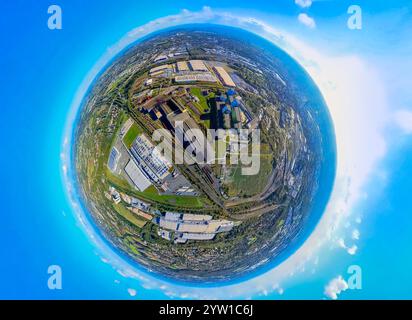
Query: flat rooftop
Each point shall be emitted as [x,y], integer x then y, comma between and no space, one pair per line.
[224,77]
[137,176]
[198,65]
[196,226]
[182,66]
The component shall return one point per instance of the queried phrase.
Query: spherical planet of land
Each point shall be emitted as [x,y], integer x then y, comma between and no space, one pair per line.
[204,153]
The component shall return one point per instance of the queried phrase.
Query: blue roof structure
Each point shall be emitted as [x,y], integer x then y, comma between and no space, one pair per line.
[225,109]
[231,92]
[235,103]
[112,159]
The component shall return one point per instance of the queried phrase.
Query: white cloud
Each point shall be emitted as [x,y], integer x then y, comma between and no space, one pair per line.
[341,243]
[335,287]
[306,20]
[104,260]
[355,234]
[304,3]
[350,250]
[403,119]
[132,292]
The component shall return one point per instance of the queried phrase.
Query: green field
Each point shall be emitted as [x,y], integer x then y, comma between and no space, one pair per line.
[180,201]
[131,135]
[129,216]
[241,184]
[202,105]
[202,99]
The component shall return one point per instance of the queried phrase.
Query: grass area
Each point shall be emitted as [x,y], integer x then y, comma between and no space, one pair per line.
[131,135]
[117,180]
[241,184]
[202,99]
[203,105]
[179,201]
[129,216]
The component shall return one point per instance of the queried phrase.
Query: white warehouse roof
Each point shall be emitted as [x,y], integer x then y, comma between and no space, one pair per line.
[137,176]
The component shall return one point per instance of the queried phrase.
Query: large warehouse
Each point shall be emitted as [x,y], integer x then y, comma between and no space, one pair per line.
[198,65]
[138,177]
[182,66]
[224,77]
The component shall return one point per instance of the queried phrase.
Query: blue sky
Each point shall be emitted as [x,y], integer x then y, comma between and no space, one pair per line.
[364,76]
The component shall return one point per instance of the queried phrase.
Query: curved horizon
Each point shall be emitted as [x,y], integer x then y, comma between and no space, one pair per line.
[328,173]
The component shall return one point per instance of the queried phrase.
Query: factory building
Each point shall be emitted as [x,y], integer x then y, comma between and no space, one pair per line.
[164,234]
[137,203]
[182,66]
[115,195]
[113,159]
[137,176]
[192,226]
[198,236]
[141,213]
[224,77]
[173,223]
[149,158]
[196,217]
[173,216]
[156,71]
[160,58]
[199,77]
[198,65]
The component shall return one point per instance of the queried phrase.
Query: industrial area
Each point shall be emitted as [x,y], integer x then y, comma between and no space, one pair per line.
[135,157]
[195,216]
